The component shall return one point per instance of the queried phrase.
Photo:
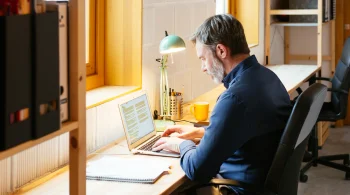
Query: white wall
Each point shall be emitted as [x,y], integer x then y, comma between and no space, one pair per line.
[179,17]
[304,41]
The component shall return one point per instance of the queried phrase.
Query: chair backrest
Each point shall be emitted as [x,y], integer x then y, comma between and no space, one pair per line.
[283,176]
[341,81]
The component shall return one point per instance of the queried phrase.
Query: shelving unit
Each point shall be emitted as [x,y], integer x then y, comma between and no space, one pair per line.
[271,12]
[77,124]
[322,126]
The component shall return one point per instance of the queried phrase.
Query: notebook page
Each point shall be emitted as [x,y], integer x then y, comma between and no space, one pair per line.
[127,168]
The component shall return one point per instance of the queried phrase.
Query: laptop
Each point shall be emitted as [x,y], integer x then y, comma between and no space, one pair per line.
[138,125]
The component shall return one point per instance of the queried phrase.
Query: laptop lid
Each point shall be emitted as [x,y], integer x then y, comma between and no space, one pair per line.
[137,119]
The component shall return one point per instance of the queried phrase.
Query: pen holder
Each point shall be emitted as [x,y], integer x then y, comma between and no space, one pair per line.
[16,75]
[46,74]
[176,108]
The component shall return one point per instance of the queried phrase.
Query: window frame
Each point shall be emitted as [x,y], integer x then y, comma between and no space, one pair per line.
[252,39]
[97,39]
[118,44]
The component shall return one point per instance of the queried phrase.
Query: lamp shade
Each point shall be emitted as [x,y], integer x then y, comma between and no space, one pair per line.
[171,44]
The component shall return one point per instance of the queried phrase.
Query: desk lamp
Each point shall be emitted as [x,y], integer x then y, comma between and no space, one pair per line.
[170,44]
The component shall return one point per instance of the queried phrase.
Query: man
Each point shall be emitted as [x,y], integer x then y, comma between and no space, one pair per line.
[249,116]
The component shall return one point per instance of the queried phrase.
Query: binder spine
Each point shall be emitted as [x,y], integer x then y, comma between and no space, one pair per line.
[46,74]
[16,74]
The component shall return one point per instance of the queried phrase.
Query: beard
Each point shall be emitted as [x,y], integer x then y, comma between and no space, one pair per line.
[216,71]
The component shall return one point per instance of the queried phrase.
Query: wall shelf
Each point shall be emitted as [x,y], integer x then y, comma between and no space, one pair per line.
[66,127]
[294,11]
[301,24]
[293,24]
[318,57]
[271,12]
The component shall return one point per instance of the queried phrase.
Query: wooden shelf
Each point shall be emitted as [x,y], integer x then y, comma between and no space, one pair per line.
[293,24]
[302,24]
[294,12]
[286,25]
[77,103]
[66,127]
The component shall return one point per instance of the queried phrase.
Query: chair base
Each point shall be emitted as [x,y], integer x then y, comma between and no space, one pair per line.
[327,161]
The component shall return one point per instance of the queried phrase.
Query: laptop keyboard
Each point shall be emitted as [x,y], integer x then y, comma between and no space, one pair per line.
[148,146]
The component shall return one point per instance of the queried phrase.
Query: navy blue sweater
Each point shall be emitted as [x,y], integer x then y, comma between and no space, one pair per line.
[245,128]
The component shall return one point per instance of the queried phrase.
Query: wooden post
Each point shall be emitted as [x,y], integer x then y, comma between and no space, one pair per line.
[339,42]
[267,32]
[346,35]
[77,69]
[333,59]
[319,34]
[286,45]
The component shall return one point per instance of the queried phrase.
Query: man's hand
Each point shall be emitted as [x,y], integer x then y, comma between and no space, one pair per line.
[185,132]
[168,143]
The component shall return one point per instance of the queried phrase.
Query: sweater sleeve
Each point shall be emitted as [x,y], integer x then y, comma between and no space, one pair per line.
[222,138]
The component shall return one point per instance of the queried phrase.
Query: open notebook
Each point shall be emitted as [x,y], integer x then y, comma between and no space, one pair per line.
[124,169]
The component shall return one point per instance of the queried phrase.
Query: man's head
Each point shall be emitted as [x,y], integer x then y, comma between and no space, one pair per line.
[219,40]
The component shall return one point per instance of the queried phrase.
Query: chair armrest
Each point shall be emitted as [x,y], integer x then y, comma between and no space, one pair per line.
[338,91]
[323,79]
[299,90]
[230,182]
[227,182]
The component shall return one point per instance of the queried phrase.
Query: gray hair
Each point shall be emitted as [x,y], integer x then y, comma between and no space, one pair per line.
[222,29]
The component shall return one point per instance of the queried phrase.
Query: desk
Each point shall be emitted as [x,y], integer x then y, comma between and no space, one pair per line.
[164,185]
[292,77]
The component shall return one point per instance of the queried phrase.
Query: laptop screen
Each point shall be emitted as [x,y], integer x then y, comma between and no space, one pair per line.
[137,118]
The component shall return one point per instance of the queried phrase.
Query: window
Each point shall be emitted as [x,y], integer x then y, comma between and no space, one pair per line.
[113,43]
[247,12]
[94,37]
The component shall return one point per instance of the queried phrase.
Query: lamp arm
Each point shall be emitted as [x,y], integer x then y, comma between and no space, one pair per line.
[161,91]
[167,92]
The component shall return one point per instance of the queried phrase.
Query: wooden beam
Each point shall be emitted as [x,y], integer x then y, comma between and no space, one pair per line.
[267,32]
[309,57]
[286,45]
[98,79]
[347,118]
[77,85]
[346,19]
[346,35]
[66,127]
[319,33]
[333,59]
[339,28]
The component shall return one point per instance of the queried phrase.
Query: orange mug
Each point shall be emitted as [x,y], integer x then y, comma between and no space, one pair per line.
[200,110]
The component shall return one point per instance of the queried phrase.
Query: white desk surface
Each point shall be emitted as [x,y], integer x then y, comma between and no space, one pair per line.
[292,76]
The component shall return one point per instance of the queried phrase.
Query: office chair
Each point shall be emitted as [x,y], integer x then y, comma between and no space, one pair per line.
[333,111]
[283,176]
